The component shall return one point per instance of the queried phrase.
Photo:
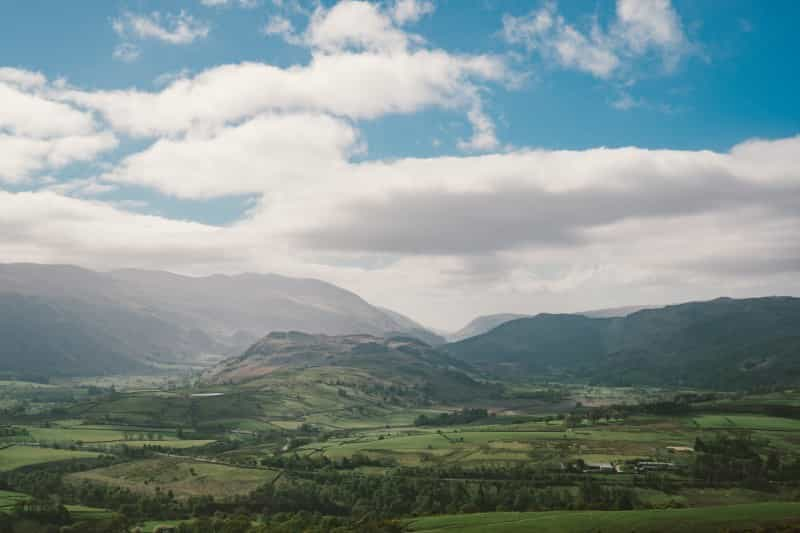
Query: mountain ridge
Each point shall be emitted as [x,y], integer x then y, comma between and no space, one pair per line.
[153,317]
[738,342]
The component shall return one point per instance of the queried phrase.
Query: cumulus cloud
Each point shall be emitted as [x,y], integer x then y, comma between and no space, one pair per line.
[362,66]
[531,198]
[407,11]
[270,153]
[38,132]
[641,27]
[519,231]
[282,27]
[46,226]
[181,28]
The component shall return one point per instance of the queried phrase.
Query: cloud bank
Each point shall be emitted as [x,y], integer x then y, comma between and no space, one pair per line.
[517,230]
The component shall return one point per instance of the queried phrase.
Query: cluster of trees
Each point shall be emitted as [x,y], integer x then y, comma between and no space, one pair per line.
[457,418]
[48,515]
[314,462]
[728,459]
[13,431]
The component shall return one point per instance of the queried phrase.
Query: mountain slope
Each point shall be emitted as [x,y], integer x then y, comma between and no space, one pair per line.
[137,316]
[723,342]
[402,363]
[482,324]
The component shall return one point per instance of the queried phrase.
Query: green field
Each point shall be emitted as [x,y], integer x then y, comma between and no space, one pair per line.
[8,499]
[710,519]
[751,422]
[184,477]
[18,456]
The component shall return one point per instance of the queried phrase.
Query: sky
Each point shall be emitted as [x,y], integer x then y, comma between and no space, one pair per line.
[443,158]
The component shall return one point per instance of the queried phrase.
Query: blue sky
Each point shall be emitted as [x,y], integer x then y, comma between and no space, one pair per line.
[233,135]
[737,85]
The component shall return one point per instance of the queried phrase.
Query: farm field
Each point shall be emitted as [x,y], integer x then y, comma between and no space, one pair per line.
[17,456]
[707,519]
[9,498]
[184,477]
[524,453]
[751,422]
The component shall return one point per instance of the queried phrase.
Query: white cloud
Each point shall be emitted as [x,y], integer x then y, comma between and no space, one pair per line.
[127,52]
[248,4]
[21,157]
[641,27]
[178,29]
[526,230]
[22,78]
[268,154]
[355,25]
[523,230]
[357,86]
[38,133]
[282,27]
[363,66]
[31,113]
[405,11]
[645,24]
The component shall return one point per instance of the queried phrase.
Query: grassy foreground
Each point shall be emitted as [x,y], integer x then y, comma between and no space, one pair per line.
[20,456]
[695,520]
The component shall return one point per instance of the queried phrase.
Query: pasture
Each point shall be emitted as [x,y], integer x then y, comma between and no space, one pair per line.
[707,519]
[184,477]
[17,456]
[746,422]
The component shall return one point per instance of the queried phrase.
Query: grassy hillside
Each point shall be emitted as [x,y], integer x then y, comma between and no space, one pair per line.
[14,457]
[400,369]
[720,343]
[707,519]
[184,477]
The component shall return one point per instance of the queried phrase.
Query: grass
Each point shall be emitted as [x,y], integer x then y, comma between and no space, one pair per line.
[706,519]
[150,525]
[79,513]
[183,477]
[19,456]
[83,513]
[751,422]
[8,499]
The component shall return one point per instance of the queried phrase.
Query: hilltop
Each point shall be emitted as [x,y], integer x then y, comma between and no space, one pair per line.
[403,364]
[719,343]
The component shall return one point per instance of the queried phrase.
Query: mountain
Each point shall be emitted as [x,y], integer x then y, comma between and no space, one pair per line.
[613,312]
[720,343]
[129,320]
[399,363]
[483,324]
[415,329]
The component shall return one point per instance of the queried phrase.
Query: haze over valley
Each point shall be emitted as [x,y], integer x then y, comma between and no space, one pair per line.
[399,266]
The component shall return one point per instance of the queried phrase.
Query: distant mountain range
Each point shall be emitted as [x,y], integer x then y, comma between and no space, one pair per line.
[720,343]
[65,320]
[483,324]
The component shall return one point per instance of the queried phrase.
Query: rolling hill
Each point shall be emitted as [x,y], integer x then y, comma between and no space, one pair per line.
[65,320]
[719,343]
[399,363]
